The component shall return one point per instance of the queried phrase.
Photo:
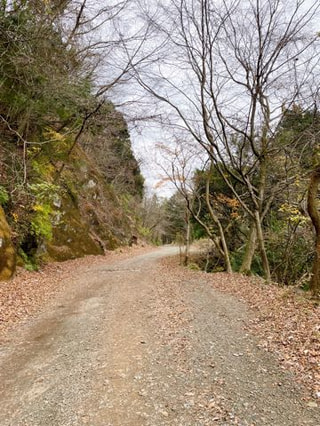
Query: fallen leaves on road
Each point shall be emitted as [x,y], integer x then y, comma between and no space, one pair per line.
[28,292]
[287,322]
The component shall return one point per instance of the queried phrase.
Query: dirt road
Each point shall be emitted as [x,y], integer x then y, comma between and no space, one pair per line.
[131,343]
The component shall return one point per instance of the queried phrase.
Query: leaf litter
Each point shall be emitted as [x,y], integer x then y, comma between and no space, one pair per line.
[286,321]
[29,292]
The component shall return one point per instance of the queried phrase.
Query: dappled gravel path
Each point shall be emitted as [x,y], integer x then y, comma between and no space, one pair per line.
[133,342]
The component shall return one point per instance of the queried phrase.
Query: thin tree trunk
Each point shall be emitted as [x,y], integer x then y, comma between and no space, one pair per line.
[262,248]
[245,267]
[220,228]
[225,248]
[179,239]
[188,233]
[315,217]
[259,202]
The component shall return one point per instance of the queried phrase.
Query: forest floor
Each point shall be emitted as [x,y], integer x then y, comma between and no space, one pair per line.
[134,339]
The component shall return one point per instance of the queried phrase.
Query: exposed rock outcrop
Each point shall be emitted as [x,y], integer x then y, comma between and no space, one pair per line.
[72,204]
[7,251]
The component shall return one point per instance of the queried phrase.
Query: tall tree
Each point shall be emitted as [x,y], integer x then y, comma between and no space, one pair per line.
[225,77]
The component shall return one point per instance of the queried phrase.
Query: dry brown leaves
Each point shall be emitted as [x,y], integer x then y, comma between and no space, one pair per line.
[29,292]
[287,322]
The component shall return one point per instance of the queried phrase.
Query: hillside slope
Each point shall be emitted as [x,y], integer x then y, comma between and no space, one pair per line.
[69,182]
[71,203]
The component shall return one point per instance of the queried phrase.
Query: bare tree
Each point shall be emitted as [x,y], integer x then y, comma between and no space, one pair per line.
[224,74]
[182,159]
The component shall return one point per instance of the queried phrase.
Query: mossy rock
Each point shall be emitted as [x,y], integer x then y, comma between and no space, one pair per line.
[86,216]
[72,237]
[7,251]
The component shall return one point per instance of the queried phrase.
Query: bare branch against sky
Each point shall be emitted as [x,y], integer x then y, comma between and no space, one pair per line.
[177,61]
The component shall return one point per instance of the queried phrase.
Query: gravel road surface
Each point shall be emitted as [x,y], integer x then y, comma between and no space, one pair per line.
[130,342]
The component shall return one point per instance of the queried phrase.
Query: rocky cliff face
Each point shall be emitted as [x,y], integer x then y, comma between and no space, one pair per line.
[69,182]
[90,216]
[70,203]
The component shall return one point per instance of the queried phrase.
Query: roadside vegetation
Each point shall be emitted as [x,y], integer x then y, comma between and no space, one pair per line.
[69,183]
[242,90]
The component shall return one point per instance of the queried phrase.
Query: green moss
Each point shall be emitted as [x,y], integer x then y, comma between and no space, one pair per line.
[43,169]
[7,251]
[4,196]
[41,223]
[144,232]
[71,236]
[194,267]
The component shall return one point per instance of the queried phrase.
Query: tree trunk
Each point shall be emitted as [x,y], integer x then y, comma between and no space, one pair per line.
[262,248]
[180,241]
[216,220]
[188,233]
[315,217]
[225,248]
[245,267]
